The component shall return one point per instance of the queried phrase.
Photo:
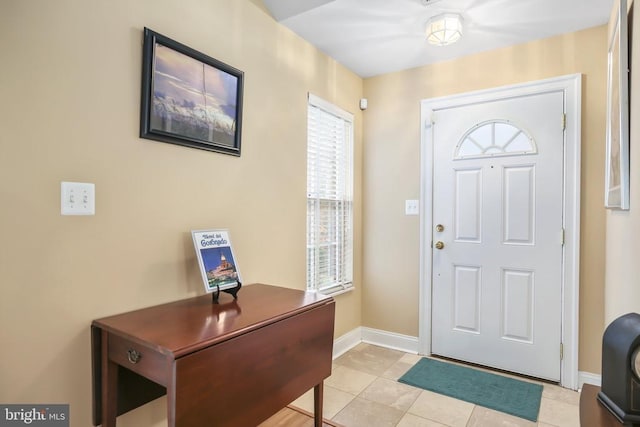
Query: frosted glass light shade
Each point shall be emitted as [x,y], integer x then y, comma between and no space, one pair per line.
[444,29]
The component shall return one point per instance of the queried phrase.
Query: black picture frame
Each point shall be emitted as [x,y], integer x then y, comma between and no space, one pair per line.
[189,98]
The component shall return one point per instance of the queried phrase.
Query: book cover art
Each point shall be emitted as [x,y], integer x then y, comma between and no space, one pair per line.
[216,260]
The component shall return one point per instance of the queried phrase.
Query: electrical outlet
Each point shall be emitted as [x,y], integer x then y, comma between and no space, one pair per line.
[77,198]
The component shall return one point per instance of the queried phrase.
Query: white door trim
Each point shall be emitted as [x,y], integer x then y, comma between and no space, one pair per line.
[571,86]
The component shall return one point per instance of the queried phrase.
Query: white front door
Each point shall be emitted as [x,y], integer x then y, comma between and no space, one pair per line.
[498,233]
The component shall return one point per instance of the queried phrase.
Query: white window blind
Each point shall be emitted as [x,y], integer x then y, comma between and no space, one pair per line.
[329,197]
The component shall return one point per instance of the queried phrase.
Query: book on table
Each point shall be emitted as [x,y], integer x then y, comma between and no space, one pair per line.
[216,259]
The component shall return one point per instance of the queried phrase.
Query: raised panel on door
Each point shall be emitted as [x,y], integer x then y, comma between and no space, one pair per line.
[468,205]
[519,205]
[466,299]
[517,305]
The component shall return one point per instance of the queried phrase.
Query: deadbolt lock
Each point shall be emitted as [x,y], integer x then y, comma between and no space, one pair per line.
[439,228]
[439,245]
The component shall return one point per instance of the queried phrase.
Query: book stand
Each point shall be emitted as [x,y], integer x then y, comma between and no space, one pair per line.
[232,291]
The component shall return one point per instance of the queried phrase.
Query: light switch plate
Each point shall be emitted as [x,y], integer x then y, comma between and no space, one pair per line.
[77,198]
[411,207]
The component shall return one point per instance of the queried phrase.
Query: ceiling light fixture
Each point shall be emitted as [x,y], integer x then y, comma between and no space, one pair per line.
[444,29]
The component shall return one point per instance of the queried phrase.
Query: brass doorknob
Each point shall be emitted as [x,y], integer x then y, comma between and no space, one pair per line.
[439,228]
[439,245]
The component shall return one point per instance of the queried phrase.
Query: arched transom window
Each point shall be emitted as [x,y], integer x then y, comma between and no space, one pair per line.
[495,138]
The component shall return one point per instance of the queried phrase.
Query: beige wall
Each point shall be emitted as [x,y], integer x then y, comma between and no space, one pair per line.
[69,111]
[392,172]
[70,84]
[622,292]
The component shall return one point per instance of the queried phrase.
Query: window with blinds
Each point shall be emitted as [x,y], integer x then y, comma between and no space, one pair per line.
[329,197]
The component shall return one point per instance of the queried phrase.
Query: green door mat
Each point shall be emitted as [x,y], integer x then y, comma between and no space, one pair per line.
[508,395]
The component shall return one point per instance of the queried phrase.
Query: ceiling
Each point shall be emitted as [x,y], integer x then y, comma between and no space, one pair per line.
[372,37]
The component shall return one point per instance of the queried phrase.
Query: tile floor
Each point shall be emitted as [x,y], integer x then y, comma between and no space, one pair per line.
[362,391]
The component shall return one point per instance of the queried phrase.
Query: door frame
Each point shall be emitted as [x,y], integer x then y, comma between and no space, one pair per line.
[571,86]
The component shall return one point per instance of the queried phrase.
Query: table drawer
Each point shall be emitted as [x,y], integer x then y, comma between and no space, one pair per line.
[140,359]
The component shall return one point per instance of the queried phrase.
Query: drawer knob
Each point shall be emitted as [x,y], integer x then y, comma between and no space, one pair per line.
[134,356]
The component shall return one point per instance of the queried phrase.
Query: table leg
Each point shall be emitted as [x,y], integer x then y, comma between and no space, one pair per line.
[171,401]
[109,385]
[317,404]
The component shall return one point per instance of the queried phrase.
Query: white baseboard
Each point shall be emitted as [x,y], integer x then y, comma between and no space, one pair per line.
[386,339]
[588,378]
[346,342]
[391,340]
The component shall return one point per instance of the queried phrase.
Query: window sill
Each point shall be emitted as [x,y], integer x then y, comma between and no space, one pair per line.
[338,292]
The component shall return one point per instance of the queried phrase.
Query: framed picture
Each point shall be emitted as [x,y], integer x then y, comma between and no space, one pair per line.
[617,152]
[216,259]
[189,98]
